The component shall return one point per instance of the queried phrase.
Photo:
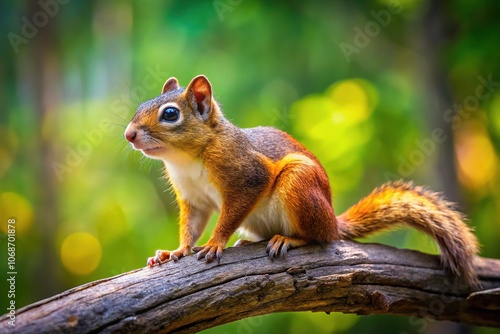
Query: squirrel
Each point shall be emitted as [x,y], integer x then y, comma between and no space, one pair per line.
[268,186]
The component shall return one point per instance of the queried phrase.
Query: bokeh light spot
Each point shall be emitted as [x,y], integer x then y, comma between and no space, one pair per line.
[336,127]
[476,157]
[9,148]
[81,253]
[15,206]
[352,100]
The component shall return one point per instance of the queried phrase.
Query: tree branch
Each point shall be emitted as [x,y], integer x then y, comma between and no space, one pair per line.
[191,295]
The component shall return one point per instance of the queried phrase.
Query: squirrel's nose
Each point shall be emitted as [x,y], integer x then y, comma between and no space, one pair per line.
[130,134]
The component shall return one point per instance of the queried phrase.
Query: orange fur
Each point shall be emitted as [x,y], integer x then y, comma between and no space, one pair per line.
[308,199]
[270,187]
[396,203]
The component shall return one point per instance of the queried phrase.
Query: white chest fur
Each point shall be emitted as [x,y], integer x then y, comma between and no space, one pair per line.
[267,218]
[190,178]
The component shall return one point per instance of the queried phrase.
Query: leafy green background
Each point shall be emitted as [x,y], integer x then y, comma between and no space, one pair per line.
[379,90]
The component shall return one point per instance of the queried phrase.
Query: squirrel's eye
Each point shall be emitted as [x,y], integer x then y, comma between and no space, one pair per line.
[170,114]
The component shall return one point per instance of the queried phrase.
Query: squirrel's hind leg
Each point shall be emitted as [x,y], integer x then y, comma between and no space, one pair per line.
[303,188]
[279,245]
[243,242]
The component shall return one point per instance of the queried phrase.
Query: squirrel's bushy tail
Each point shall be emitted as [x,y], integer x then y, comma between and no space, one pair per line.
[396,203]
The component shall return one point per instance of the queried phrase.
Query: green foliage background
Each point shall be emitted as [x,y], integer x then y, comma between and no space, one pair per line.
[365,85]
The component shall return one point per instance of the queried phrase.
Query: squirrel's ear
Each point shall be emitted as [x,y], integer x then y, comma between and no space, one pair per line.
[170,84]
[199,92]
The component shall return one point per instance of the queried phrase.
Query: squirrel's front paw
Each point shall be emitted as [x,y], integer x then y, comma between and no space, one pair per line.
[209,252]
[162,256]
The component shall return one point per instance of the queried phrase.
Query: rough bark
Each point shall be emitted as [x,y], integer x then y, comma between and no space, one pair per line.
[190,295]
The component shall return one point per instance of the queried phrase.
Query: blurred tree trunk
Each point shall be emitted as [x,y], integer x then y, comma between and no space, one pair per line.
[41,71]
[436,31]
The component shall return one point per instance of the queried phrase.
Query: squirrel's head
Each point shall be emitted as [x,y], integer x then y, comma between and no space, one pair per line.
[178,120]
